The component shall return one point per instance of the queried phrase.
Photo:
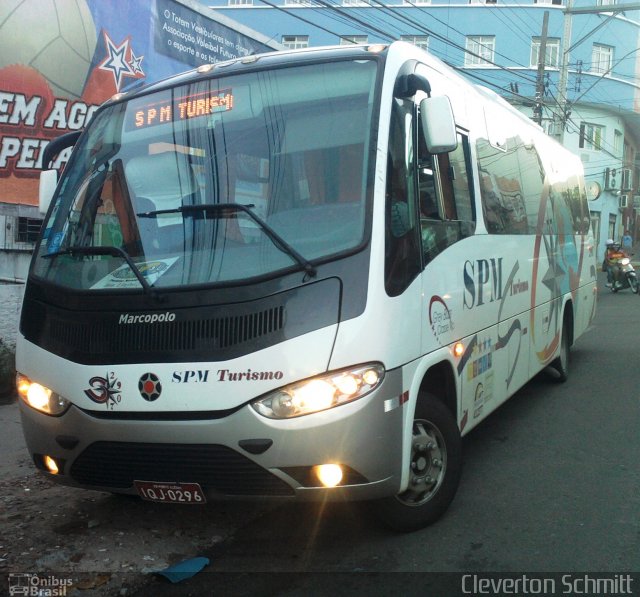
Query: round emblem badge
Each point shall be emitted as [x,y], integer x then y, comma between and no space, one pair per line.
[150,386]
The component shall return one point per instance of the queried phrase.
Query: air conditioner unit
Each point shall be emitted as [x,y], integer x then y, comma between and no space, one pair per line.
[626,182]
[624,201]
[611,180]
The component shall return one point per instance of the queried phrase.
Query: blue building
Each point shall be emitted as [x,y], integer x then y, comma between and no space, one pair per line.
[590,100]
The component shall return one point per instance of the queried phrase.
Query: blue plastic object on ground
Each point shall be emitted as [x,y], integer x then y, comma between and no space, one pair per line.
[185,569]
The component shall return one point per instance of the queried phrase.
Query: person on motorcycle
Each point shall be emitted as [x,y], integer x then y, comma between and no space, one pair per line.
[613,254]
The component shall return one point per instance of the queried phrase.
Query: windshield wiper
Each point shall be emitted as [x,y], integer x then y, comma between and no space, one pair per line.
[217,208]
[113,251]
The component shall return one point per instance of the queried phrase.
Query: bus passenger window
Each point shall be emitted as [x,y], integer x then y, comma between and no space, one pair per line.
[511,184]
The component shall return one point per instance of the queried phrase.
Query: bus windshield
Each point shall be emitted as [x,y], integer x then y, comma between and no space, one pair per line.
[215,181]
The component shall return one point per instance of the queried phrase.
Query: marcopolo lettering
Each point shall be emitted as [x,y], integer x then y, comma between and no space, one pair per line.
[128,318]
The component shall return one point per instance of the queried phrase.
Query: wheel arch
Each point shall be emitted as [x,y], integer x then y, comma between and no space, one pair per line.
[439,380]
[568,315]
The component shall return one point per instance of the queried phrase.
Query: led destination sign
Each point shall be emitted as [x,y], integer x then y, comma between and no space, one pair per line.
[182,108]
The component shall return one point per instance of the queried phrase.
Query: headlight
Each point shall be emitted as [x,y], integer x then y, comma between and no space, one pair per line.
[40,398]
[320,393]
[625,261]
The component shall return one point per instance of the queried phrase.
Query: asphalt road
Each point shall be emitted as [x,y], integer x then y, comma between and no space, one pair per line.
[550,488]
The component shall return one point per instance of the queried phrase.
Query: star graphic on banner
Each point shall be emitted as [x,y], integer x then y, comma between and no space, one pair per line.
[136,63]
[116,61]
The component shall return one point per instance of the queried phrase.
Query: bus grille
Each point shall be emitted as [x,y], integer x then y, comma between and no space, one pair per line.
[220,333]
[92,330]
[119,464]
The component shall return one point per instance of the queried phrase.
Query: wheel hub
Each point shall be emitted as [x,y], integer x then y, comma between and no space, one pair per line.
[428,464]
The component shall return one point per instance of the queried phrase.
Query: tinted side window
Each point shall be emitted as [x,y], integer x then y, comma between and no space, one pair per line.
[511,186]
[445,197]
[402,252]
[570,205]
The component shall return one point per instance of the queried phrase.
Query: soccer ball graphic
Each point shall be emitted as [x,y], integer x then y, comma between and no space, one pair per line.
[150,387]
[55,37]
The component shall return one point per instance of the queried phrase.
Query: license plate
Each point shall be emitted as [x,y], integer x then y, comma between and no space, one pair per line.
[170,493]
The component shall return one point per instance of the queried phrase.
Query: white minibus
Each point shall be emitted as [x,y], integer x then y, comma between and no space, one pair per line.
[298,275]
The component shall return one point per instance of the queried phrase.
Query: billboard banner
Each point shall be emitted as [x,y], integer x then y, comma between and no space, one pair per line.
[60,59]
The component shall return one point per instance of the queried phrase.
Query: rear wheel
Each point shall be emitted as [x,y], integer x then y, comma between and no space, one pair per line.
[561,362]
[434,469]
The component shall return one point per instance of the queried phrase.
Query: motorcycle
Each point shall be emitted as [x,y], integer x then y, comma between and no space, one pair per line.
[624,276]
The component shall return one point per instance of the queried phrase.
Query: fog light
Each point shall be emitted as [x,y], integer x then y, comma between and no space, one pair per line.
[51,465]
[329,475]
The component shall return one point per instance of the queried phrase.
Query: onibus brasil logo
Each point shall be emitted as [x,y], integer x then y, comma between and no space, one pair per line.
[38,585]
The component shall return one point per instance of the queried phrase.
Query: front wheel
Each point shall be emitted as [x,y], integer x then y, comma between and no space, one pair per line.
[633,284]
[434,469]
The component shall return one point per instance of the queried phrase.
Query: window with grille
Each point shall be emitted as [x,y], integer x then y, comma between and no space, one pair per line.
[422,41]
[293,42]
[347,40]
[617,142]
[591,136]
[28,230]
[480,50]
[601,58]
[551,54]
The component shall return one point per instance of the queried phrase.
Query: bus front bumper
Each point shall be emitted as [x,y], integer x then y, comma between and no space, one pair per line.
[240,455]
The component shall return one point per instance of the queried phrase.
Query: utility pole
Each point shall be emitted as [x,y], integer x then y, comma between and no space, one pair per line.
[542,57]
[561,117]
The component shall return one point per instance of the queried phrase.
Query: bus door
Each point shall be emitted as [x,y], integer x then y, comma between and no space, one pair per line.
[453,285]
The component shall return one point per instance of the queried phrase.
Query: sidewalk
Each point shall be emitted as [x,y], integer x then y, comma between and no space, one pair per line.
[12,446]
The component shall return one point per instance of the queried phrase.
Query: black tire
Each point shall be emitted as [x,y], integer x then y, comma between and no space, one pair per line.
[633,284]
[561,362]
[436,463]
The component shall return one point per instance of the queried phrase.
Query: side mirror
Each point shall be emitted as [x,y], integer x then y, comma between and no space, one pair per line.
[48,182]
[49,178]
[438,124]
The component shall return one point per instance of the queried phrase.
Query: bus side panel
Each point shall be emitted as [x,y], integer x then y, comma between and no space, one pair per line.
[476,293]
